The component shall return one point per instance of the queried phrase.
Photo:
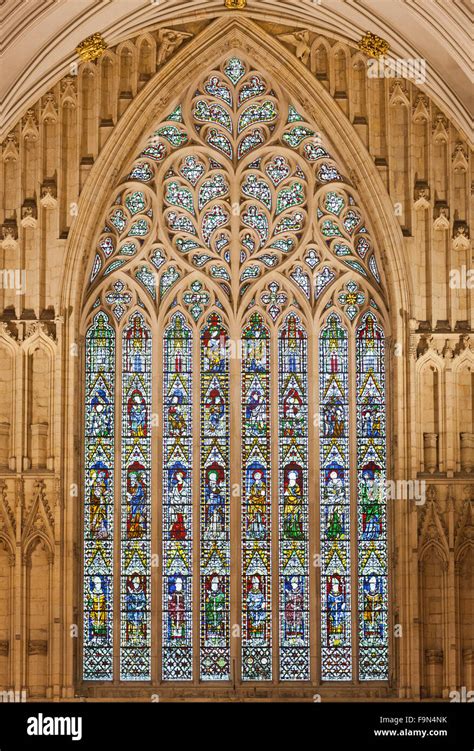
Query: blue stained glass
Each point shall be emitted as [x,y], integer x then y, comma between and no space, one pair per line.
[135,202]
[251,141]
[373,267]
[328,173]
[296,135]
[155,151]
[212,113]
[293,505]
[192,169]
[258,221]
[211,220]
[135,596]
[259,189]
[256,503]
[336,652]
[99,500]
[291,196]
[172,134]
[234,69]
[118,219]
[371,500]
[140,228]
[178,195]
[216,87]
[215,187]
[177,501]
[236,111]
[255,113]
[254,86]
[277,169]
[215,503]
[141,171]
[220,142]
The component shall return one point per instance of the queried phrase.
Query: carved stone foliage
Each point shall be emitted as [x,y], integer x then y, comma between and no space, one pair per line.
[38,517]
[447,507]
[432,524]
[447,348]
[7,513]
[22,329]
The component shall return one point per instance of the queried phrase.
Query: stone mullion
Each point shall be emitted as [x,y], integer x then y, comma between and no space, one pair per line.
[274,501]
[117,539]
[392,513]
[236,480]
[196,507]
[156,495]
[314,505]
[353,501]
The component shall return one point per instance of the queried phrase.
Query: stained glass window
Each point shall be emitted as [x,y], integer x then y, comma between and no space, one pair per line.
[293,503]
[336,659]
[99,499]
[371,501]
[177,531]
[256,503]
[215,502]
[135,600]
[306,452]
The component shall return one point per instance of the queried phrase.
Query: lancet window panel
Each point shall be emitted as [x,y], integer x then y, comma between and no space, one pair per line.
[371,500]
[256,532]
[136,517]
[99,499]
[293,500]
[214,501]
[177,519]
[335,504]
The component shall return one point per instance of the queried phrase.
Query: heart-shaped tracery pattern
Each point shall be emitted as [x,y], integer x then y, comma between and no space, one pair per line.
[236,182]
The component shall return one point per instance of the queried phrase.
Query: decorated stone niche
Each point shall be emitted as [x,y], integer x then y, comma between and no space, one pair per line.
[441,221]
[48,195]
[10,235]
[461,236]
[422,197]
[29,214]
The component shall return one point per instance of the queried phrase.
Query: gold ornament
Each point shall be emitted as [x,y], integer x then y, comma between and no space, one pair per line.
[235,4]
[373,46]
[91,48]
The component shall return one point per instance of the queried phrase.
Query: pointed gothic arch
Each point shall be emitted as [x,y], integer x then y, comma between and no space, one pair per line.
[145,280]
